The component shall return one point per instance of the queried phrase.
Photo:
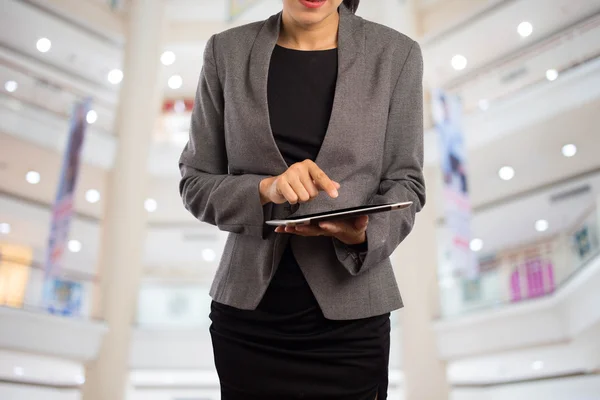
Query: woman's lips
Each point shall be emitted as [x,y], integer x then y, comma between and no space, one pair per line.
[312,3]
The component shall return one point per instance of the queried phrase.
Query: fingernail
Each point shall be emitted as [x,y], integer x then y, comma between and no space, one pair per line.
[335,193]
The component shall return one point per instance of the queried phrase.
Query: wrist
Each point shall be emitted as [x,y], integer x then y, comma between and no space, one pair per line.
[263,189]
[354,241]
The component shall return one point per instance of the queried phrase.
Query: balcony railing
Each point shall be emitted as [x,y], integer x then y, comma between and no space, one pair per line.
[527,272]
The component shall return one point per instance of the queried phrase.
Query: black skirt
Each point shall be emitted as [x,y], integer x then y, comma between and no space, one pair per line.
[287,349]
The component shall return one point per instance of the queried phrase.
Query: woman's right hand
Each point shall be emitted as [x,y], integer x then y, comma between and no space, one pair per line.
[301,183]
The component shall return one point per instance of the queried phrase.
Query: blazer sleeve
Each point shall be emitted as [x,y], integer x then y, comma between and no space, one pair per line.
[208,191]
[402,174]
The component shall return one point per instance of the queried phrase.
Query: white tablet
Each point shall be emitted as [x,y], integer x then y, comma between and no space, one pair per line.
[338,214]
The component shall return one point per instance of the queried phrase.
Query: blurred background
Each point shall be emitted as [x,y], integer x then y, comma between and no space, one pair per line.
[517,318]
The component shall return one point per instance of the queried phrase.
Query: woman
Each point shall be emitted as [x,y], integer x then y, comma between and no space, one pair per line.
[313,109]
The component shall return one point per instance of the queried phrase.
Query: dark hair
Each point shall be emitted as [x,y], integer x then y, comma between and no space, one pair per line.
[352,4]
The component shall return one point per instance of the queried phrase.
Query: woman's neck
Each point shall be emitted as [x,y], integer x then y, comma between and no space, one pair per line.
[320,36]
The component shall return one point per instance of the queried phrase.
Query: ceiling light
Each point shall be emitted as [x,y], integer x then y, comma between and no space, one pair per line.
[74,246]
[115,76]
[92,196]
[483,104]
[175,82]
[541,225]
[569,150]
[91,117]
[179,106]
[43,45]
[167,58]
[4,228]
[525,29]
[506,173]
[551,75]
[209,255]
[537,365]
[11,86]
[33,177]
[150,205]
[459,62]
[476,245]
[19,371]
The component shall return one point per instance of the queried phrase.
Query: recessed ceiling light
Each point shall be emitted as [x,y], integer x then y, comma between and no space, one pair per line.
[179,106]
[483,104]
[91,117]
[44,45]
[209,255]
[92,196]
[506,173]
[569,150]
[167,58]
[537,365]
[33,177]
[19,371]
[150,205]
[74,246]
[459,62]
[551,75]
[115,76]
[525,29]
[175,82]
[541,225]
[11,86]
[4,228]
[476,245]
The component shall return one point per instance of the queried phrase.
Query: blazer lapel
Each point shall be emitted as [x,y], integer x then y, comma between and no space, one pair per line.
[351,42]
[258,75]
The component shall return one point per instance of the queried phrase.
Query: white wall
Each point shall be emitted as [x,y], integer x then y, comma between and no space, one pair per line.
[20,392]
[577,388]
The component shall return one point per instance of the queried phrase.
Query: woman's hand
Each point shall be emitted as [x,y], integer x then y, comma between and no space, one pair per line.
[350,231]
[299,184]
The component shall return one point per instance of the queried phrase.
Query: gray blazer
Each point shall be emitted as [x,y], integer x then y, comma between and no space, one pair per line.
[373,147]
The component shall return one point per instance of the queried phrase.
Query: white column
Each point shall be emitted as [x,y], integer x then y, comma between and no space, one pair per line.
[124,222]
[415,265]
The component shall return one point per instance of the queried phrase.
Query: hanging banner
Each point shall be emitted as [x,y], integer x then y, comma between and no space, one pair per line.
[62,209]
[238,7]
[447,111]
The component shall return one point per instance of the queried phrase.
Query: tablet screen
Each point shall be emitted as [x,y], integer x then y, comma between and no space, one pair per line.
[359,208]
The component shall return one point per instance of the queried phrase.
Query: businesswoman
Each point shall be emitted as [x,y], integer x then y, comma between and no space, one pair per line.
[313,109]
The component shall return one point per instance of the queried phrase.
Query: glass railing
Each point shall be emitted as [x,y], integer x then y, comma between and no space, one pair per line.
[173,305]
[526,272]
[23,286]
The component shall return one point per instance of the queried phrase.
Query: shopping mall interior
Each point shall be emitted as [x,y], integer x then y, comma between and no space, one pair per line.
[129,305]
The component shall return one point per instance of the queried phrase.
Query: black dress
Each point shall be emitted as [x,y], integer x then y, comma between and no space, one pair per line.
[286,348]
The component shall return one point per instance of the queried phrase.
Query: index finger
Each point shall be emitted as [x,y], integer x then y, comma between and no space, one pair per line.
[322,180]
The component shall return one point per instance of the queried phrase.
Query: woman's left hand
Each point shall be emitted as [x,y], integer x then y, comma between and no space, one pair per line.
[350,231]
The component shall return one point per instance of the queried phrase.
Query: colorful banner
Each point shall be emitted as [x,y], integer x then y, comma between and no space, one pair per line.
[62,210]
[447,111]
[238,7]
[63,297]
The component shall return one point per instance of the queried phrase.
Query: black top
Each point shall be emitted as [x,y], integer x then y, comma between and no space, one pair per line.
[300,92]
